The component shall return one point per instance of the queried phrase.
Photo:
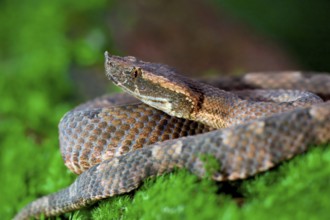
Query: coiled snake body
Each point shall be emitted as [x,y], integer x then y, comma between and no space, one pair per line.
[115,142]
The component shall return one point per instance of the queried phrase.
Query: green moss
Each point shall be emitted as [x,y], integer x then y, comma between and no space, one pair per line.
[173,196]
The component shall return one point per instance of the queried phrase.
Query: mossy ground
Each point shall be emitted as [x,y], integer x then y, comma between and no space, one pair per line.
[36,91]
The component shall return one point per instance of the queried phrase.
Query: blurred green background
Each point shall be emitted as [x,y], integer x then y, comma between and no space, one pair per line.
[51,58]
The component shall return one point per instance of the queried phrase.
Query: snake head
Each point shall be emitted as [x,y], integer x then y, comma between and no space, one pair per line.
[155,84]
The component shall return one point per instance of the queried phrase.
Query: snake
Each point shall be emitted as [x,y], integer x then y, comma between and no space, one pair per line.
[165,121]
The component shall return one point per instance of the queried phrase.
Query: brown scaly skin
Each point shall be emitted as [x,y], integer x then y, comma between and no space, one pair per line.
[318,83]
[106,131]
[241,150]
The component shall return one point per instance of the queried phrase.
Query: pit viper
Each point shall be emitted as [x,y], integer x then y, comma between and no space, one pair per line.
[166,121]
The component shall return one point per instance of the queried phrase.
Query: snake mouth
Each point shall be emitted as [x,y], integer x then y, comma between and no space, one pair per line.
[114,69]
[110,77]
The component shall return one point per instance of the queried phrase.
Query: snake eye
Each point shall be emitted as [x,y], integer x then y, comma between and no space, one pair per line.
[135,72]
